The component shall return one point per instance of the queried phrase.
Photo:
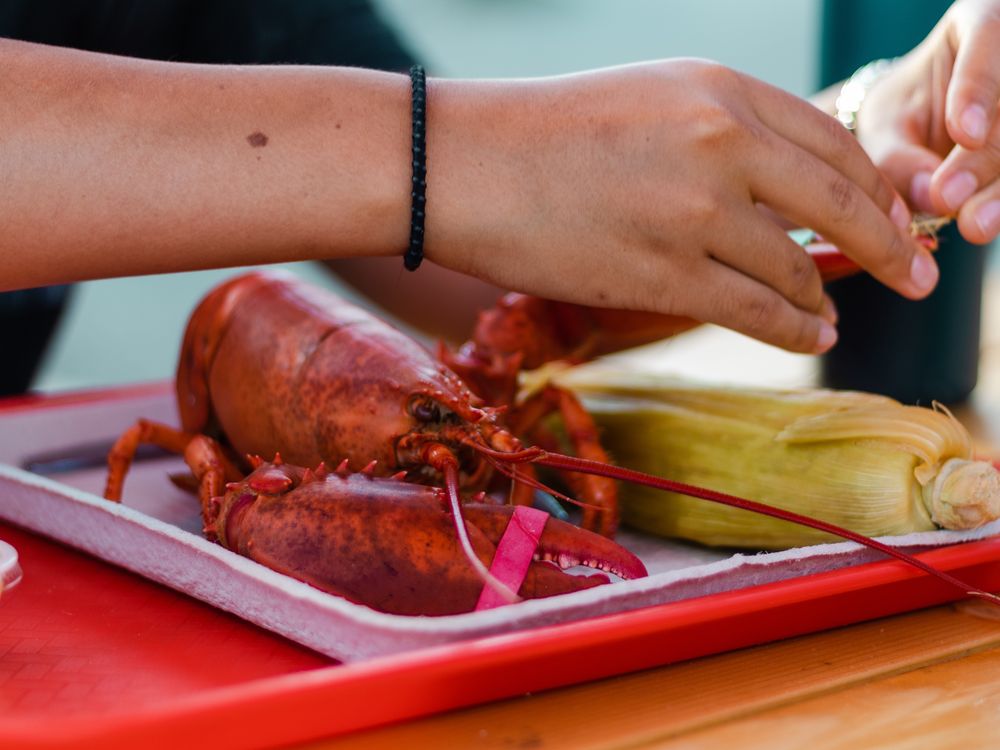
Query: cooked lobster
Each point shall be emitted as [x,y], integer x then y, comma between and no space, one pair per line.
[272,365]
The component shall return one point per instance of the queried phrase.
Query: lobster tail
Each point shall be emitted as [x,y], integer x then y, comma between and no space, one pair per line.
[202,337]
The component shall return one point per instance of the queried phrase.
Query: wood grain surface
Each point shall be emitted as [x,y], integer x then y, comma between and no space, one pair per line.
[813,683]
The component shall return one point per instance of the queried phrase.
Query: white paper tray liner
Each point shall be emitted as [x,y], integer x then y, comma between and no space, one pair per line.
[157,534]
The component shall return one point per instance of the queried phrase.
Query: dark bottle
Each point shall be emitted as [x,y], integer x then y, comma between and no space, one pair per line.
[917,352]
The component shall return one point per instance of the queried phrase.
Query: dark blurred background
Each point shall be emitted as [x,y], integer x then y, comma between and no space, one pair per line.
[917,352]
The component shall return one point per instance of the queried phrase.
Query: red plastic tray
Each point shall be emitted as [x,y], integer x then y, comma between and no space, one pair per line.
[93,656]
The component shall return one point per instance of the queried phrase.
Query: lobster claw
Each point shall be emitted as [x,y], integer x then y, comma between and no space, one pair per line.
[562,543]
[390,545]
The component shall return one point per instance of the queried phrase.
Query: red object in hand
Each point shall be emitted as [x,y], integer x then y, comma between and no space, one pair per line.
[833,264]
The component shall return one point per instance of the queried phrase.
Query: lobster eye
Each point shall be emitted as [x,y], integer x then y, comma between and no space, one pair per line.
[427,411]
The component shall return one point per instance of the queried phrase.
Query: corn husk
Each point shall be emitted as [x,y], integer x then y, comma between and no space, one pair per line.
[857,460]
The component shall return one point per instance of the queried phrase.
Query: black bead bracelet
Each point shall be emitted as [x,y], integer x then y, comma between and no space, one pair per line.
[415,252]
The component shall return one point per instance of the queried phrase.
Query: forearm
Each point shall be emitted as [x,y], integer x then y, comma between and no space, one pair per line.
[114,166]
[437,301]
[603,188]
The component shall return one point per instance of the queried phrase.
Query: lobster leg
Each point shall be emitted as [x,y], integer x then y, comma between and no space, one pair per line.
[598,494]
[203,455]
[524,477]
[123,451]
[207,462]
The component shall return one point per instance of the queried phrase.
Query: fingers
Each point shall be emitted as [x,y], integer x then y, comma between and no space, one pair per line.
[806,189]
[829,184]
[759,249]
[962,186]
[749,307]
[910,167]
[971,106]
[825,138]
[979,218]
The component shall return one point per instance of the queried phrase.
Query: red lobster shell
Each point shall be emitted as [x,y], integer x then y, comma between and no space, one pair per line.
[391,544]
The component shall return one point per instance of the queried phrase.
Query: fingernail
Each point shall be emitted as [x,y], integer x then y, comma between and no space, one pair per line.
[988,218]
[827,337]
[923,271]
[973,122]
[958,188]
[900,214]
[829,311]
[920,191]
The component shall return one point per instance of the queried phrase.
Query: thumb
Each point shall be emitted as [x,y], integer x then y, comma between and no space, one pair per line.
[909,168]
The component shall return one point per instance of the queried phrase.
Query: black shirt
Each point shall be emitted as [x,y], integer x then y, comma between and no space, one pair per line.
[310,32]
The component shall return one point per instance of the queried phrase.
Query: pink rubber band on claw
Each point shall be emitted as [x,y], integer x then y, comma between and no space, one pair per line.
[514,553]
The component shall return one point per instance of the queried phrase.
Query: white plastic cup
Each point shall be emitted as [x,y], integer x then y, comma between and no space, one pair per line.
[10,569]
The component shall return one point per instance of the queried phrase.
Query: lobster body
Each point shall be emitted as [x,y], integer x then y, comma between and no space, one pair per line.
[271,364]
[341,532]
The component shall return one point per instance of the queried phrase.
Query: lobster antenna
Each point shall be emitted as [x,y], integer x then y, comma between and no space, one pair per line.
[586,466]
[537,484]
[450,469]
[506,463]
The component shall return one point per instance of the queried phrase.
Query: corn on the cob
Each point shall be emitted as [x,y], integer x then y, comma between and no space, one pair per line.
[858,460]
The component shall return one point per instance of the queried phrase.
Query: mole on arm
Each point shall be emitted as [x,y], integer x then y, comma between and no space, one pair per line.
[257,139]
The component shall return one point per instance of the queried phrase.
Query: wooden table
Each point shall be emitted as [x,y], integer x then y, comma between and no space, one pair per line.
[928,679]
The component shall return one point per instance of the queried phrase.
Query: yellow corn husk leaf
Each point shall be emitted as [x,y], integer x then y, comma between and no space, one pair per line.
[857,460]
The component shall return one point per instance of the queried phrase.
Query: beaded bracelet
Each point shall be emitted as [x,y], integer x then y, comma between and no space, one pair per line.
[415,252]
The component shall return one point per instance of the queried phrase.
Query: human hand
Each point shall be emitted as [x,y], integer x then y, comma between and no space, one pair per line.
[930,123]
[638,188]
